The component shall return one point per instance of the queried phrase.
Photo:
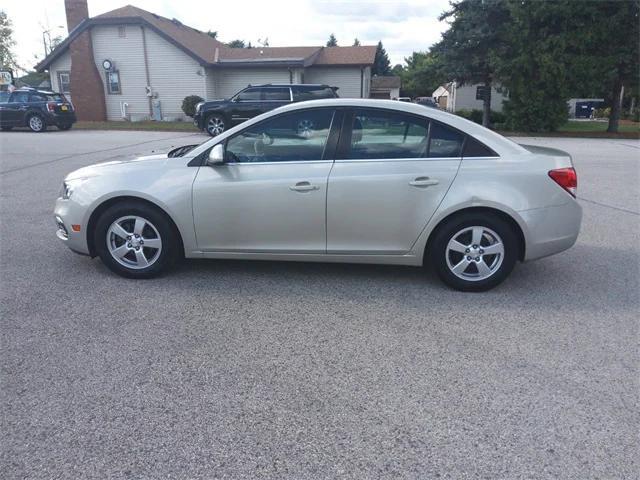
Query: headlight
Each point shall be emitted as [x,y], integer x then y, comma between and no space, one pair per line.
[68,187]
[199,106]
[66,191]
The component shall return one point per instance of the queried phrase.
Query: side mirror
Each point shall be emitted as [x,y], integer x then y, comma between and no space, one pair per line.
[216,156]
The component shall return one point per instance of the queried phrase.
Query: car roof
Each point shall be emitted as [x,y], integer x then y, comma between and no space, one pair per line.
[292,85]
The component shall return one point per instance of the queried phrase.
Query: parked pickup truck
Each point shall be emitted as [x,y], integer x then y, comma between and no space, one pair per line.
[215,116]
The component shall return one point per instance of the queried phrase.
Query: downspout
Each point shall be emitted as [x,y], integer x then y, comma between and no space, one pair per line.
[146,69]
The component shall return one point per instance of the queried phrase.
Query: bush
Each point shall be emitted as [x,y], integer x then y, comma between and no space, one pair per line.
[189,105]
[476,116]
[602,112]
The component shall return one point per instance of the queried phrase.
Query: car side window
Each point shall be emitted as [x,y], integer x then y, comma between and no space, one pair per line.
[4,97]
[276,94]
[38,97]
[377,134]
[249,95]
[445,142]
[292,137]
[474,148]
[312,93]
[19,97]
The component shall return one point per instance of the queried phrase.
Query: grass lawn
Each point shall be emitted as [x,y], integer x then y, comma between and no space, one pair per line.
[147,125]
[587,126]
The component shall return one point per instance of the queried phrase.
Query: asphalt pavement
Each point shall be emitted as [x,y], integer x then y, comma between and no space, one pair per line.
[238,369]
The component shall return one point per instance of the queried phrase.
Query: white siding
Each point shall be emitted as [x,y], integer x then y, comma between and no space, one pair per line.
[229,81]
[61,64]
[210,93]
[347,79]
[465,99]
[172,73]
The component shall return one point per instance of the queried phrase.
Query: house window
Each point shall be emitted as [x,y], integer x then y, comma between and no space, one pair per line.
[113,83]
[64,82]
[122,32]
[483,92]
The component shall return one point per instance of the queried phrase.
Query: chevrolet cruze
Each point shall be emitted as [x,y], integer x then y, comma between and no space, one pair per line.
[339,180]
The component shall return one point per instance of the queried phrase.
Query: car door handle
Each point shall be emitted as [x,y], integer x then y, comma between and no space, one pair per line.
[303,187]
[423,182]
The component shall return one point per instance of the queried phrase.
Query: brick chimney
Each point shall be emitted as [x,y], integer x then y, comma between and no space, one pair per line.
[77,11]
[87,87]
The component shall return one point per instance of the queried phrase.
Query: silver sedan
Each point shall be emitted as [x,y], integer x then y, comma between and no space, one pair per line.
[340,180]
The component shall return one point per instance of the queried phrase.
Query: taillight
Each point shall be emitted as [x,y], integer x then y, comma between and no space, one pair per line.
[51,106]
[567,178]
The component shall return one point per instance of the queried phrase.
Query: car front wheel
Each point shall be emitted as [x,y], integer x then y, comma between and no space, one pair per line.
[474,252]
[215,125]
[37,123]
[135,240]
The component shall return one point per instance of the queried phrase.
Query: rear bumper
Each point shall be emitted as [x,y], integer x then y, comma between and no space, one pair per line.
[551,230]
[61,119]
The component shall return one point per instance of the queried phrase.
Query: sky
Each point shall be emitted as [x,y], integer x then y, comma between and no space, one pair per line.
[403,26]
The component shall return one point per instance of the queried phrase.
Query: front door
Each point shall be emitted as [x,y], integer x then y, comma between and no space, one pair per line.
[246,104]
[388,182]
[270,194]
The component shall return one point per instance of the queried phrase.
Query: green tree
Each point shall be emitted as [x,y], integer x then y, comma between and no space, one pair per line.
[422,74]
[381,64]
[332,42]
[7,58]
[468,49]
[547,58]
[614,47]
[356,42]
[213,33]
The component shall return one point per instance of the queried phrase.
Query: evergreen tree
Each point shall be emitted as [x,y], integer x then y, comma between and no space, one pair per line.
[332,42]
[356,42]
[381,64]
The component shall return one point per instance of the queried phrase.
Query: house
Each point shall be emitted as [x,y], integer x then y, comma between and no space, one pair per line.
[133,64]
[454,97]
[385,86]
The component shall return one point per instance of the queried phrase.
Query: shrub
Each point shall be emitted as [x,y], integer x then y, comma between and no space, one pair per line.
[476,116]
[602,112]
[189,104]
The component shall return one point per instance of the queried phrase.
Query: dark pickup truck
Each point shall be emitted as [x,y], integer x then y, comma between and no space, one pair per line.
[217,115]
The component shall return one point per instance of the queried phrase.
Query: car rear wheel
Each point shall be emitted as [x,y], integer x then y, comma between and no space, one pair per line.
[135,240]
[37,123]
[474,252]
[215,124]
[64,126]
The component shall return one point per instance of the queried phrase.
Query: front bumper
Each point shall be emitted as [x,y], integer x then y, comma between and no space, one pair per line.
[198,121]
[551,230]
[66,216]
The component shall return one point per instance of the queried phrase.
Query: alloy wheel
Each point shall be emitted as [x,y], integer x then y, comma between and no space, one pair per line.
[36,123]
[305,128]
[134,242]
[215,126]
[474,253]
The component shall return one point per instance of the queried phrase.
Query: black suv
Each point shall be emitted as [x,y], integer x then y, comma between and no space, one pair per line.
[217,115]
[35,109]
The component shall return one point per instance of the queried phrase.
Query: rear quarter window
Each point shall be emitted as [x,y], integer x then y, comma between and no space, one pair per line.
[313,93]
[474,148]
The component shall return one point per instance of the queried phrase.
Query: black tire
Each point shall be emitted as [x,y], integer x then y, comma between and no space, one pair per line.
[6,129]
[460,227]
[162,228]
[215,124]
[36,123]
[65,126]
